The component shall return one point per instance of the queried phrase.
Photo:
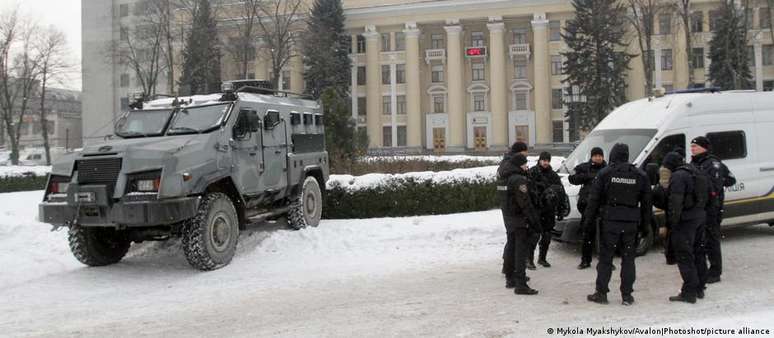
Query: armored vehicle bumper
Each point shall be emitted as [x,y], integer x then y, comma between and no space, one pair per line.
[568,231]
[122,213]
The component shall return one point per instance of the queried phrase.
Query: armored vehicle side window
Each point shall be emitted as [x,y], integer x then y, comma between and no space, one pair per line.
[198,119]
[307,119]
[318,119]
[246,123]
[667,144]
[728,145]
[295,118]
[271,120]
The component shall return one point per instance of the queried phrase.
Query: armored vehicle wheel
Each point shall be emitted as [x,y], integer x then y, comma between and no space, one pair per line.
[210,238]
[644,243]
[306,208]
[98,246]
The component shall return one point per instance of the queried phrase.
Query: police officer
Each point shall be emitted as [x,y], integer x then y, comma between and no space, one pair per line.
[518,215]
[550,191]
[518,147]
[621,194]
[685,200]
[719,177]
[584,175]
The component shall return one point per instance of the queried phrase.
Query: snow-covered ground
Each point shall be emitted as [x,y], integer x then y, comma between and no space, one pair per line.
[20,170]
[416,276]
[435,158]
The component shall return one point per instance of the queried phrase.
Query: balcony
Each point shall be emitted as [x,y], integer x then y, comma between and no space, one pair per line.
[519,49]
[435,55]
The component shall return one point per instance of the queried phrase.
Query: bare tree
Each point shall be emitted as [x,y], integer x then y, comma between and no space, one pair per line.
[242,48]
[642,16]
[279,21]
[53,50]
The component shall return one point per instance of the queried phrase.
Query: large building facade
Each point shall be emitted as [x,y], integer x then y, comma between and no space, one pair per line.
[451,75]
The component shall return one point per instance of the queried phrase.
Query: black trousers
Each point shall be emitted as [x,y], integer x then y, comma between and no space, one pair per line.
[615,236]
[688,243]
[542,239]
[589,237]
[712,240]
[515,259]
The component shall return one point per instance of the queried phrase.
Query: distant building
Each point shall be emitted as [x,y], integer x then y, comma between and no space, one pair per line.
[63,118]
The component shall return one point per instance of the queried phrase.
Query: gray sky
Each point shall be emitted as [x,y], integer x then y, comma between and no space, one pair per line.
[63,14]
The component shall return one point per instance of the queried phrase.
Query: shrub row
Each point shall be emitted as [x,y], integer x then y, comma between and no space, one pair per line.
[401,197]
[389,166]
[22,183]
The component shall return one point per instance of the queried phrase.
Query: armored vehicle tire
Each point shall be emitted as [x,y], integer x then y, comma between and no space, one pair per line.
[645,243]
[210,238]
[98,246]
[306,208]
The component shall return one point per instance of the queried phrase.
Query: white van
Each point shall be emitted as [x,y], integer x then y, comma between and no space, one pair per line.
[740,125]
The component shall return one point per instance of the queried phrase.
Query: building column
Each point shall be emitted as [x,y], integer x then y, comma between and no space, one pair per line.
[758,65]
[456,93]
[680,61]
[657,66]
[543,120]
[297,74]
[373,81]
[353,87]
[261,73]
[413,87]
[393,102]
[498,97]
[636,88]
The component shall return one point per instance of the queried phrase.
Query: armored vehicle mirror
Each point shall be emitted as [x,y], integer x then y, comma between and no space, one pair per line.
[271,120]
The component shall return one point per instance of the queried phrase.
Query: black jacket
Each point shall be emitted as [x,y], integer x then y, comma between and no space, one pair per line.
[719,177]
[513,190]
[621,193]
[545,179]
[681,189]
[584,175]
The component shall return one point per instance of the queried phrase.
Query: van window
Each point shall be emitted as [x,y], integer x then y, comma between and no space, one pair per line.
[728,145]
[637,139]
[667,144]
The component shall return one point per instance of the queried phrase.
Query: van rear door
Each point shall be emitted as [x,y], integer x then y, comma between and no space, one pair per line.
[764,125]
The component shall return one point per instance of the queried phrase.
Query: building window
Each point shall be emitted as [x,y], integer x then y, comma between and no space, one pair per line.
[558,129]
[361,75]
[385,74]
[401,136]
[400,41]
[123,10]
[714,17]
[665,24]
[520,68]
[436,41]
[556,99]
[555,30]
[556,65]
[764,16]
[768,53]
[519,36]
[386,42]
[285,80]
[387,136]
[400,73]
[436,73]
[479,102]
[728,145]
[478,71]
[386,105]
[124,80]
[439,104]
[361,44]
[477,39]
[666,59]
[748,18]
[698,58]
[697,22]
[124,103]
[768,85]
[361,106]
[401,104]
[520,100]
[123,34]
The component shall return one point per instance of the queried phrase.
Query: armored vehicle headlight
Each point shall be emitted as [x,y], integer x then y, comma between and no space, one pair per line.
[148,181]
[58,184]
[148,185]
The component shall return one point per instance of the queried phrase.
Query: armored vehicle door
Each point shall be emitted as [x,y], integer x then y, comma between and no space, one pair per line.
[275,151]
[246,155]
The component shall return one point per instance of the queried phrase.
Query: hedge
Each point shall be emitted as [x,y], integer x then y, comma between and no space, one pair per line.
[22,183]
[402,197]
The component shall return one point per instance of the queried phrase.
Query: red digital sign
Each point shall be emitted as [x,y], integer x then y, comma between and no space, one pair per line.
[475,51]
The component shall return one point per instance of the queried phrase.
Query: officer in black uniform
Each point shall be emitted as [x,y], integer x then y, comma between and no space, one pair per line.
[584,175]
[518,215]
[551,192]
[518,147]
[719,177]
[685,200]
[621,193]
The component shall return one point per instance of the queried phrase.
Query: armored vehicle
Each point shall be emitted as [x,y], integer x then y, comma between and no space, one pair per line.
[200,168]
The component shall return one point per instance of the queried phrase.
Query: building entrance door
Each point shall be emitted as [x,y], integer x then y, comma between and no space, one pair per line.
[479,138]
[522,134]
[439,140]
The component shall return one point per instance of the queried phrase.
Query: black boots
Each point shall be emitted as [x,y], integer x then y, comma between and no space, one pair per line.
[598,297]
[627,300]
[584,265]
[683,298]
[713,279]
[544,263]
[525,290]
[531,265]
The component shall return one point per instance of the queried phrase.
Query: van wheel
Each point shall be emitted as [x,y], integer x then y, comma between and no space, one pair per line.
[306,208]
[98,246]
[210,238]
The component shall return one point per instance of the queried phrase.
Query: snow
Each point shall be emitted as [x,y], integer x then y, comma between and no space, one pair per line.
[416,276]
[19,170]
[435,158]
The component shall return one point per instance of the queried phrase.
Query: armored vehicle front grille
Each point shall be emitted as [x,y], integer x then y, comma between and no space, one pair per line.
[99,171]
